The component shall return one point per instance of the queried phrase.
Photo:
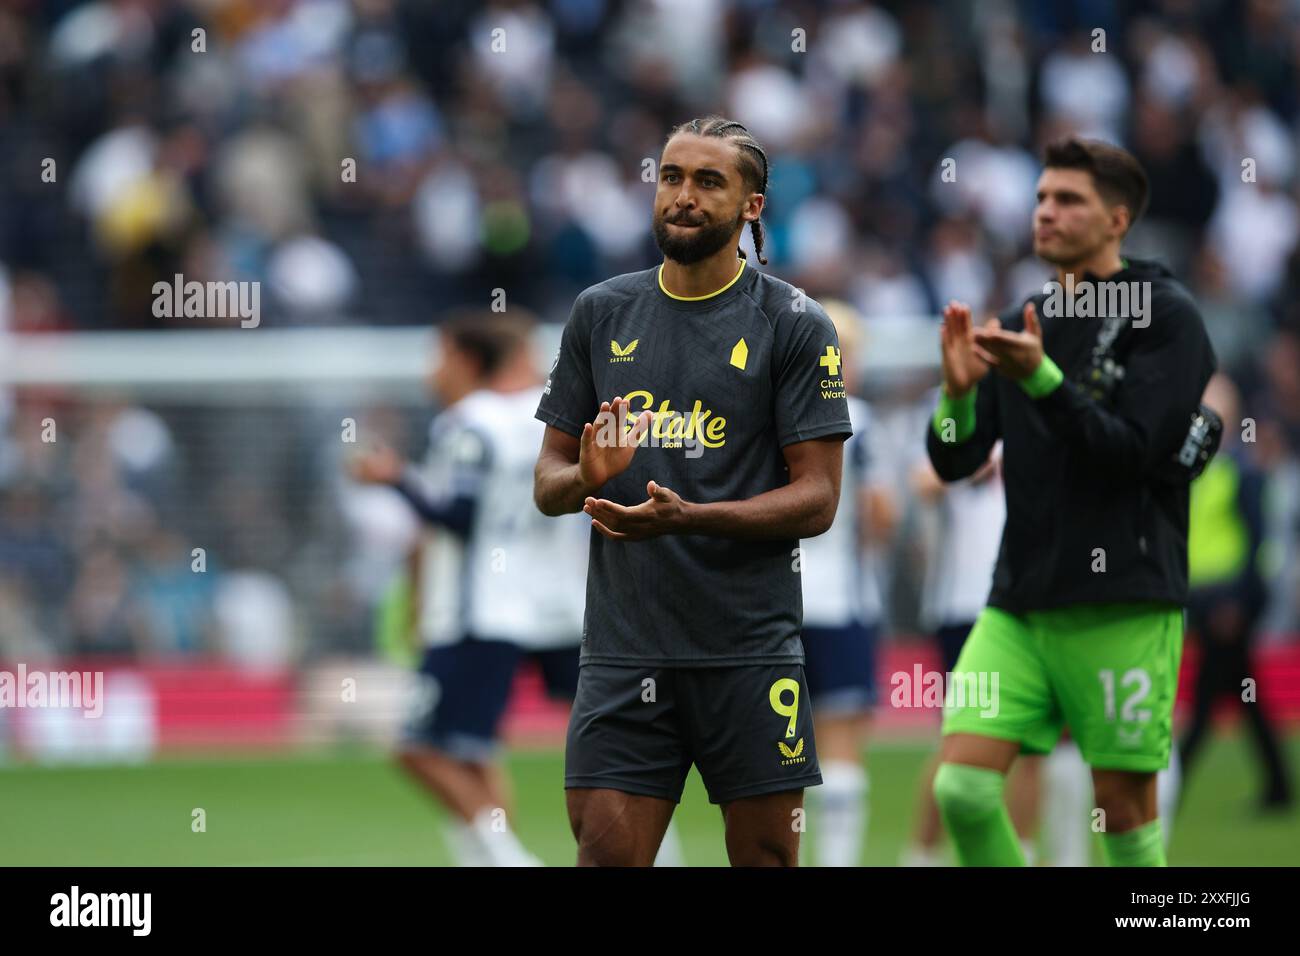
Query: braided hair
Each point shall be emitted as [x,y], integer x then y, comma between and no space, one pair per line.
[752,161]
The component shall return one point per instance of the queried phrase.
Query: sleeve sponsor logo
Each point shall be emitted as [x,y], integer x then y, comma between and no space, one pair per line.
[833,385]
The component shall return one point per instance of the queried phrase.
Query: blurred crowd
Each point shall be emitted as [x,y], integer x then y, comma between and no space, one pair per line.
[381,161]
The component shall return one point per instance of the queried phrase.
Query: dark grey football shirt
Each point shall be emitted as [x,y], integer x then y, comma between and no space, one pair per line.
[732,378]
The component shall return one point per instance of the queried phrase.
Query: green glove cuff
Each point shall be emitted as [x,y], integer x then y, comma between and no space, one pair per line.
[1044,380]
[954,419]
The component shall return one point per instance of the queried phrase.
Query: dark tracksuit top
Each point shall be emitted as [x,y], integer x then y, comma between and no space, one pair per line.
[1082,474]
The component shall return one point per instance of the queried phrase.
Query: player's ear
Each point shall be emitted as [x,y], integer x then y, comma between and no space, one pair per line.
[754,207]
[1119,219]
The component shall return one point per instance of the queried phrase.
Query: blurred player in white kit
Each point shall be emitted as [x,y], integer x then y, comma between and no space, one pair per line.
[498,582]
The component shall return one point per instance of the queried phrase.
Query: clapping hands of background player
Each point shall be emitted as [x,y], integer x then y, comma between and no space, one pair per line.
[963,364]
[1015,354]
[969,352]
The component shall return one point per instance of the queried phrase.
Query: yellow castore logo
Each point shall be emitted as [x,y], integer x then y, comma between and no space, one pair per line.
[623,353]
[787,752]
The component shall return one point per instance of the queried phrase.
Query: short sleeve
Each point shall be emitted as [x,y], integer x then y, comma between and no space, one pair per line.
[811,401]
[569,398]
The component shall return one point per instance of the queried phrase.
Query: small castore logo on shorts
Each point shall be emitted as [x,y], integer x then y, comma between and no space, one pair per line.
[791,756]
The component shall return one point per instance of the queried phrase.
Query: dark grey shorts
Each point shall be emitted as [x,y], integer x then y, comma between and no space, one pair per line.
[747,728]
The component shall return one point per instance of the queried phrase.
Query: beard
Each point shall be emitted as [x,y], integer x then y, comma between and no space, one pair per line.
[1055,255]
[1066,251]
[696,245]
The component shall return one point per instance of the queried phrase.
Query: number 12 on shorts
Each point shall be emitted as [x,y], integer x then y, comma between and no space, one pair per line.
[1128,712]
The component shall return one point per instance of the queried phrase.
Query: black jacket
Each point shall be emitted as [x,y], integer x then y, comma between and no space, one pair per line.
[1081,474]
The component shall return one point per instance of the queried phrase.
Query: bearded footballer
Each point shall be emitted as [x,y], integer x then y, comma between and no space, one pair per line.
[697,412]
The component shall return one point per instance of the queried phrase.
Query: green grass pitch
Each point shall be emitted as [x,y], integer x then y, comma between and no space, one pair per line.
[347,808]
